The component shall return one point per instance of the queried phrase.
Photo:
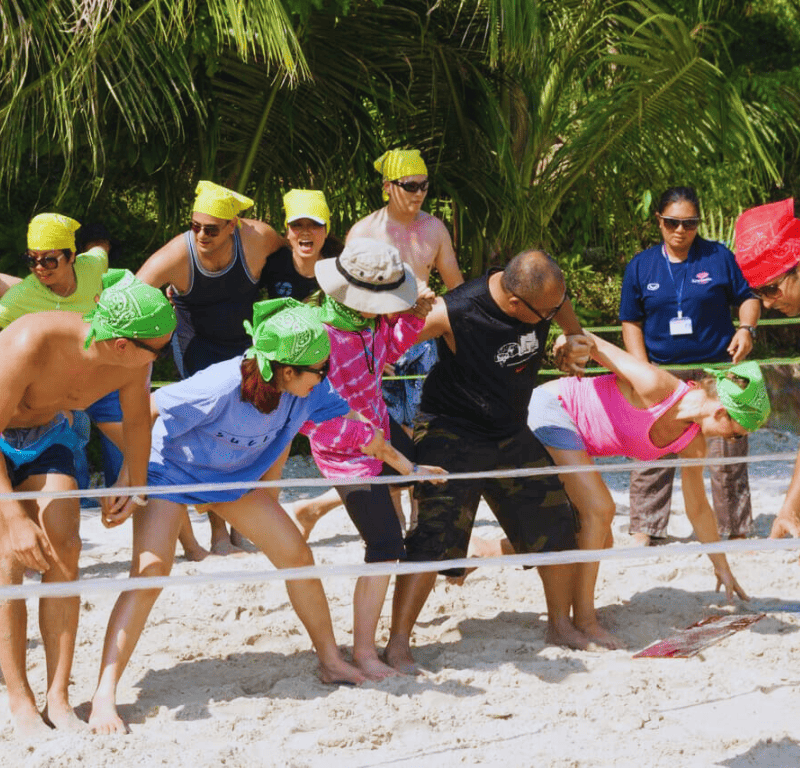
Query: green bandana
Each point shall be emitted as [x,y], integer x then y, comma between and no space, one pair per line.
[128,308]
[337,315]
[749,406]
[286,331]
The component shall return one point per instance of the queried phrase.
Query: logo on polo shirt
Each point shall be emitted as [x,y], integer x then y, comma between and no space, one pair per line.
[653,286]
[702,278]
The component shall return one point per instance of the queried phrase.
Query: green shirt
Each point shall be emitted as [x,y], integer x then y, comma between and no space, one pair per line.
[31,296]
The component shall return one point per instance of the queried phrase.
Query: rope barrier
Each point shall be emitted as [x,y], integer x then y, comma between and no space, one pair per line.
[327,482]
[115,585]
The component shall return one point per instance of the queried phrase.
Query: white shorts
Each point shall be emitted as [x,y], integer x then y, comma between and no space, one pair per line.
[550,423]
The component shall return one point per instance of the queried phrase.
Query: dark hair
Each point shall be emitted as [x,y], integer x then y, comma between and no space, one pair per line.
[332,246]
[262,395]
[528,273]
[677,195]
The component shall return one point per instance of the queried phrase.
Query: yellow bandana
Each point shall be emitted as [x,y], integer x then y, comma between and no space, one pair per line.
[398,163]
[307,204]
[218,201]
[52,232]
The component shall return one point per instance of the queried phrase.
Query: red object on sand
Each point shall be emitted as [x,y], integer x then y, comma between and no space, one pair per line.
[690,641]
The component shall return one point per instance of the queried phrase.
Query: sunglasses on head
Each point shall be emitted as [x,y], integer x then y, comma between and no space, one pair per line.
[159,352]
[672,223]
[46,262]
[411,186]
[550,315]
[322,371]
[211,230]
[773,289]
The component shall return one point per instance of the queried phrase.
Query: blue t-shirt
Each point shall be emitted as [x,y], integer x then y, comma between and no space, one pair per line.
[206,434]
[709,283]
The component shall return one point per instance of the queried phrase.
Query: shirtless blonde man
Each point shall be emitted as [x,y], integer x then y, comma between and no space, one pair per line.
[424,244]
[55,362]
[213,271]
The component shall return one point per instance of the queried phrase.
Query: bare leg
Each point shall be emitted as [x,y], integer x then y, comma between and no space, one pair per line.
[221,543]
[58,616]
[411,590]
[368,601]
[591,497]
[558,581]
[308,512]
[155,533]
[267,525]
[191,546]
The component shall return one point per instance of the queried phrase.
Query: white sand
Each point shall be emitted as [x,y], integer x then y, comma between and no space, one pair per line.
[224,674]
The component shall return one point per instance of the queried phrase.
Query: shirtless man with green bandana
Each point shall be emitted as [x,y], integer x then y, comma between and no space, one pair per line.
[55,362]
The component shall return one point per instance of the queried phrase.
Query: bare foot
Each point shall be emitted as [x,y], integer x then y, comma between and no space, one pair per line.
[104,719]
[565,633]
[398,656]
[641,539]
[224,547]
[602,637]
[29,725]
[375,669]
[305,515]
[340,673]
[195,554]
[63,718]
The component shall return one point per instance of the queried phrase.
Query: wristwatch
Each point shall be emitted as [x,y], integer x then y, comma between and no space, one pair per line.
[750,328]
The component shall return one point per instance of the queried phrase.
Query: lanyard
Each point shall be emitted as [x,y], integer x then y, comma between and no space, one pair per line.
[678,290]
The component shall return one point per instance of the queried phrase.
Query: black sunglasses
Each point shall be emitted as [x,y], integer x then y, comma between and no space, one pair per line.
[550,315]
[159,352]
[672,223]
[211,230]
[773,289]
[46,262]
[412,186]
[322,371]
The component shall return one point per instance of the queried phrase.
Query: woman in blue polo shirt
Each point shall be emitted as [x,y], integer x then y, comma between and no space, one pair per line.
[676,309]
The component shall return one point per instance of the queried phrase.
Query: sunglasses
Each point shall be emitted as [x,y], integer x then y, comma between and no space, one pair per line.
[211,230]
[322,371]
[412,186]
[550,315]
[671,224]
[46,262]
[159,352]
[773,289]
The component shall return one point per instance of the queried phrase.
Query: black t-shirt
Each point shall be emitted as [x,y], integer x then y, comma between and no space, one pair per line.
[484,388]
[281,280]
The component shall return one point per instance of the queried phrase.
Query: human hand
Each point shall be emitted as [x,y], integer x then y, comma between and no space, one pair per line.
[388,369]
[424,303]
[741,345]
[572,352]
[726,579]
[29,544]
[787,523]
[428,469]
[116,510]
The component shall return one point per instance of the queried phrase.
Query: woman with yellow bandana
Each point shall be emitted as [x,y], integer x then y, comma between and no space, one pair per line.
[212,271]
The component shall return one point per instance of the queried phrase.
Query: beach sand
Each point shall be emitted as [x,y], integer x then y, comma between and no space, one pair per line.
[224,673]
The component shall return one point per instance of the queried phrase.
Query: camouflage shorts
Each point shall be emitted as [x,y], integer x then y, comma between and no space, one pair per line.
[534,511]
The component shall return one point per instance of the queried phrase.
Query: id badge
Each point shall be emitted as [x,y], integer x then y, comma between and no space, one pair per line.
[680,326]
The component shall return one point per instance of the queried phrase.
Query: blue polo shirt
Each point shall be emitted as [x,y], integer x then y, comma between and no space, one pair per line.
[709,283]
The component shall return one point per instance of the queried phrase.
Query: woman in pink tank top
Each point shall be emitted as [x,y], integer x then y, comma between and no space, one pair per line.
[643,412]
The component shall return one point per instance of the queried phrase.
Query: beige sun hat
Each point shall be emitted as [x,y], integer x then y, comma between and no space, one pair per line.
[368,276]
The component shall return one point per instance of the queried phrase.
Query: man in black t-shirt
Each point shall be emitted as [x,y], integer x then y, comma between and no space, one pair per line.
[473,418]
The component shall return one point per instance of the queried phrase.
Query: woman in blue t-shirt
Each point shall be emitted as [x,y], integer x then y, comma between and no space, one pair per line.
[676,309]
[229,423]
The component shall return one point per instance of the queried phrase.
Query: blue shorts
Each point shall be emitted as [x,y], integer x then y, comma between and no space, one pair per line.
[552,425]
[57,459]
[106,410]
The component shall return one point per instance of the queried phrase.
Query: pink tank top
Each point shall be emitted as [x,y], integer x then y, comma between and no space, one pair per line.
[611,426]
